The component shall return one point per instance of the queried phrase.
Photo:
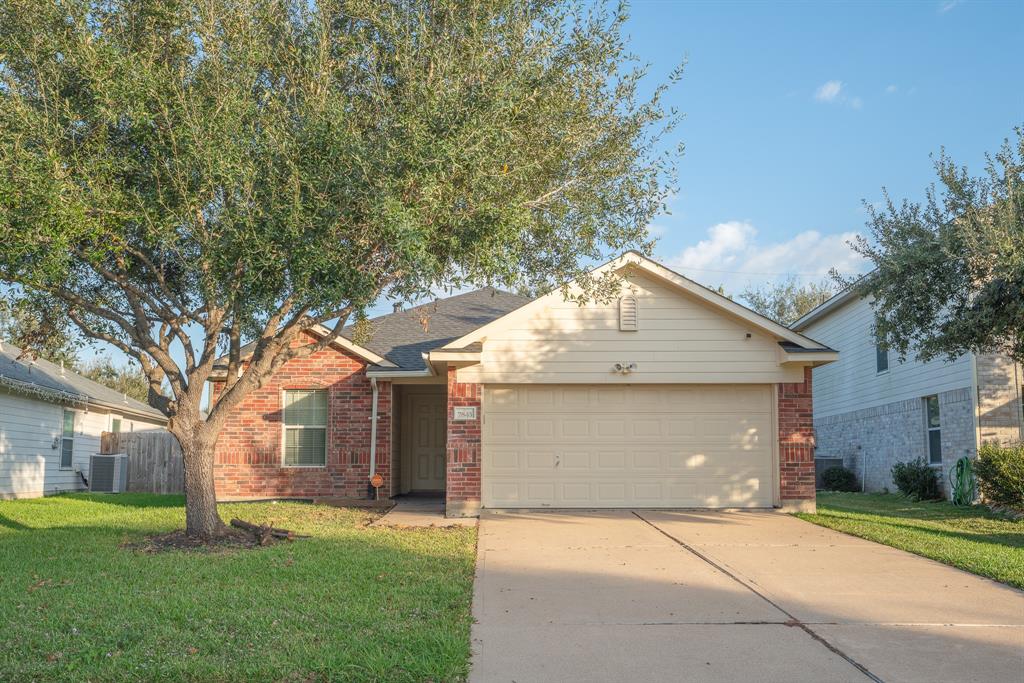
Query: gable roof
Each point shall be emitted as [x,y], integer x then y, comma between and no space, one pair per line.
[397,341]
[632,259]
[404,336]
[48,382]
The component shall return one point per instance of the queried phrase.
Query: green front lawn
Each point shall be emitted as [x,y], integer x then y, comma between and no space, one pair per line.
[350,603]
[973,538]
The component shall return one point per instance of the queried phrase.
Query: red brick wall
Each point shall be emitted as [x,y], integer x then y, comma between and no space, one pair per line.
[463,449]
[796,441]
[248,454]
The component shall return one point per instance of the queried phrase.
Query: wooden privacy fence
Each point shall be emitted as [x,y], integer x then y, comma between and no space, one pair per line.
[155,464]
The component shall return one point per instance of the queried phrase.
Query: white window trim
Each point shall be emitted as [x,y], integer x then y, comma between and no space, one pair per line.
[928,429]
[888,361]
[285,428]
[60,453]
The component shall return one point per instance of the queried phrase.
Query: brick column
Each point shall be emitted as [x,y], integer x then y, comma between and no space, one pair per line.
[462,485]
[796,445]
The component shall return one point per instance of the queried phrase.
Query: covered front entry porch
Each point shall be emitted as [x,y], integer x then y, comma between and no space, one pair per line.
[435,441]
[419,440]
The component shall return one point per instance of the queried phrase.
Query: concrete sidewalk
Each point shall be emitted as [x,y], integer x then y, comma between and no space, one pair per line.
[416,511]
[704,596]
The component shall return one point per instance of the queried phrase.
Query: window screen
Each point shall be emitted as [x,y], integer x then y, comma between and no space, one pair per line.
[67,440]
[881,356]
[305,427]
[932,425]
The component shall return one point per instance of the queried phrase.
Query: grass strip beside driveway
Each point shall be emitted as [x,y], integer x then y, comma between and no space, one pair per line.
[972,538]
[350,603]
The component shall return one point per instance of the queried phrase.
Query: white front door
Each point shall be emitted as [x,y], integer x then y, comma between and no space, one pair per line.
[576,446]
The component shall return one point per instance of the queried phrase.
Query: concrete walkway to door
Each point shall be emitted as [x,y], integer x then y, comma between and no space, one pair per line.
[726,596]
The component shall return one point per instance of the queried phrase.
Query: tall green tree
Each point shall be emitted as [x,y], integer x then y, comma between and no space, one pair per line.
[949,273]
[35,331]
[184,177]
[786,301]
[126,379]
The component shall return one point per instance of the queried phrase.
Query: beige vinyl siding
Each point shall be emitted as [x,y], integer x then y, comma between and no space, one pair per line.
[679,340]
[29,465]
[852,383]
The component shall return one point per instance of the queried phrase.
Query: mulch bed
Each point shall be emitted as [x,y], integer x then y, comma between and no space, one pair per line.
[239,535]
[231,539]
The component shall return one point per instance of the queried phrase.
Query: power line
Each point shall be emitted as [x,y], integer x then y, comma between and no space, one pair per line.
[751,272]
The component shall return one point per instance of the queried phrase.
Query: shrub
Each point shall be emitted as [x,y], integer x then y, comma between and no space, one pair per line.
[917,480]
[1000,473]
[838,478]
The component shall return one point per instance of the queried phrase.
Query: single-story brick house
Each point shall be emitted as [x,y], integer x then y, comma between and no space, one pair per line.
[670,396]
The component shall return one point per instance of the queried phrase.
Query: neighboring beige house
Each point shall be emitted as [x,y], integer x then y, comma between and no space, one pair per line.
[669,395]
[872,411]
[50,424]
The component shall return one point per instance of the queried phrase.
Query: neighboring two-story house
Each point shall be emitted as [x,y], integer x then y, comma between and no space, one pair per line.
[872,410]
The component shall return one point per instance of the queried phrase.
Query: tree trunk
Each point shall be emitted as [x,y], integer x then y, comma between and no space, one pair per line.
[201,518]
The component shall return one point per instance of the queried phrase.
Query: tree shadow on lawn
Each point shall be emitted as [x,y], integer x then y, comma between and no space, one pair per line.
[13,524]
[131,500]
[1008,539]
[897,505]
[366,588]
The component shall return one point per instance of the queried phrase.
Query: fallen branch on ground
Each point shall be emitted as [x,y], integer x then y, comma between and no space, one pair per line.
[265,532]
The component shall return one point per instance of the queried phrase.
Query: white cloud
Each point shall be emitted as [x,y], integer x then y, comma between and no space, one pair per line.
[732,255]
[947,5]
[829,91]
[834,92]
[725,243]
[892,89]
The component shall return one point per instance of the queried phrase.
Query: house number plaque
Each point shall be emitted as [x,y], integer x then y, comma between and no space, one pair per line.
[464,413]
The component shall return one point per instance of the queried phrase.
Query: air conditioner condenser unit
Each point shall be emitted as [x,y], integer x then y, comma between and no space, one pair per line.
[108,473]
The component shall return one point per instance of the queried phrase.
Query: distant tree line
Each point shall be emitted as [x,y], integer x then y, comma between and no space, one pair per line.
[20,327]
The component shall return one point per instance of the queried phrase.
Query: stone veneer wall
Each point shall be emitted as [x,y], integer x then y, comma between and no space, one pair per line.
[999,399]
[248,452]
[462,485]
[881,436]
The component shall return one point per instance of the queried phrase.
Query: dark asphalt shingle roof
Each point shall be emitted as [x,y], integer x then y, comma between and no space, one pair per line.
[47,377]
[404,337]
[790,347]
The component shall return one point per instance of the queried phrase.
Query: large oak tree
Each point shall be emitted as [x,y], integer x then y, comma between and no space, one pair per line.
[182,177]
[949,273]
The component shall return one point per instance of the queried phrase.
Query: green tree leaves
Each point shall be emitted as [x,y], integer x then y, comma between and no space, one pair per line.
[949,274]
[180,177]
[787,301]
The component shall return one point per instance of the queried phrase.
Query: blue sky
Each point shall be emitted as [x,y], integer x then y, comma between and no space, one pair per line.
[796,112]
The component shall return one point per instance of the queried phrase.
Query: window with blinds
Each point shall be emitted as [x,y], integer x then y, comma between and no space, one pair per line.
[305,427]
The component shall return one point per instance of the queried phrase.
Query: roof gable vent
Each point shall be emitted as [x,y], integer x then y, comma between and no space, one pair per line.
[629,314]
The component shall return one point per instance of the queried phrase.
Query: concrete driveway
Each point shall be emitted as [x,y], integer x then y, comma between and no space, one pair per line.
[727,596]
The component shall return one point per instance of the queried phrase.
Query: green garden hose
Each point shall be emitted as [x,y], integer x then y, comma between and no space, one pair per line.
[961,481]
